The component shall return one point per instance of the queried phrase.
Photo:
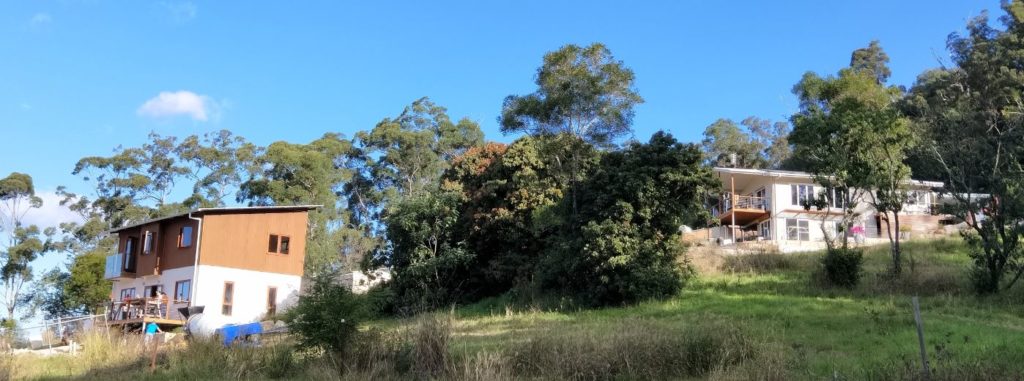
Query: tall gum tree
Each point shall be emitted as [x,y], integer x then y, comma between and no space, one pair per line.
[583,93]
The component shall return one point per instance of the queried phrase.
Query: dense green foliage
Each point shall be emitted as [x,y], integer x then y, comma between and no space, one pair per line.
[633,206]
[428,257]
[326,317]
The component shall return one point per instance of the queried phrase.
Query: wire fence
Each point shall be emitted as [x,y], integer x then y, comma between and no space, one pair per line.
[49,333]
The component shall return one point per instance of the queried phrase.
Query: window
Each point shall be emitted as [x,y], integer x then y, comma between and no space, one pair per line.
[182,289]
[279,244]
[918,198]
[150,291]
[147,243]
[801,194]
[128,293]
[761,199]
[229,291]
[838,198]
[128,257]
[766,230]
[271,301]
[285,243]
[272,247]
[185,237]
[797,230]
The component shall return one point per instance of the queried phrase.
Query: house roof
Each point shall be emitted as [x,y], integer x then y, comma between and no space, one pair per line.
[222,210]
[802,175]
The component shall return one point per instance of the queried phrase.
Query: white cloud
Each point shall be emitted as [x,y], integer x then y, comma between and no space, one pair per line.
[169,104]
[181,12]
[51,214]
[40,19]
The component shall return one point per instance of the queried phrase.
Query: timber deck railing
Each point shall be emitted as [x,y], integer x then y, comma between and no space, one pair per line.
[142,308]
[740,202]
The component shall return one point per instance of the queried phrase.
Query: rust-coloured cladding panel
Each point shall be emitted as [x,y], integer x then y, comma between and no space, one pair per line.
[241,240]
[171,256]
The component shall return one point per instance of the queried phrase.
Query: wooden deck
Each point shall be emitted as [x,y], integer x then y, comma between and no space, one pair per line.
[147,319]
[138,311]
[744,217]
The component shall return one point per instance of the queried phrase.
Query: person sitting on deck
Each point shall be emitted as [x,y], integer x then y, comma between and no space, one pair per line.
[161,298]
[151,331]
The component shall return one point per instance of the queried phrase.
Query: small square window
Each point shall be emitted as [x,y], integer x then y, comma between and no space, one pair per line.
[272,247]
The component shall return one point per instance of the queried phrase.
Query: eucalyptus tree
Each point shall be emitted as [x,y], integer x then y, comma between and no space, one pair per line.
[854,139]
[971,116]
[774,137]
[872,59]
[408,153]
[724,141]
[583,93]
[23,244]
[216,163]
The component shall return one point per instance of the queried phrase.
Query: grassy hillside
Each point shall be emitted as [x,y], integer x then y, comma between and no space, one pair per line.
[817,332]
[750,317]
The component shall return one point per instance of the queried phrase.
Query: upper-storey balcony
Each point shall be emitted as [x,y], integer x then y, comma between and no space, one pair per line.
[743,210]
[119,266]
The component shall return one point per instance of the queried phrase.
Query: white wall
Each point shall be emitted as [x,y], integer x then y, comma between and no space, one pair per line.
[250,294]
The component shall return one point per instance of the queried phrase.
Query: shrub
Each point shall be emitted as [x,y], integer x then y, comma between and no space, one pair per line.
[327,317]
[843,267]
[381,301]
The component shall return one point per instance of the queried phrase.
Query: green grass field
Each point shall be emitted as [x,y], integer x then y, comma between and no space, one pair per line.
[823,332]
[762,316]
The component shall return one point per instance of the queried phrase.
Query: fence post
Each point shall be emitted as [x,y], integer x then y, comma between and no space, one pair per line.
[920,340]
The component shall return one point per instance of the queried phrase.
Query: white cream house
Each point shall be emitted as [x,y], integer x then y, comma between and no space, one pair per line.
[766,206]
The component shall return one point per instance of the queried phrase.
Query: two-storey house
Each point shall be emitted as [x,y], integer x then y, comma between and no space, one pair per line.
[240,264]
[768,206]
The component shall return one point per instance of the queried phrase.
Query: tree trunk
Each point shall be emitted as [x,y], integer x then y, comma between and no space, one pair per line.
[897,256]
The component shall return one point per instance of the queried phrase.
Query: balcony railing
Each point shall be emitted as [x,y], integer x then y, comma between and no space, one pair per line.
[741,202]
[113,267]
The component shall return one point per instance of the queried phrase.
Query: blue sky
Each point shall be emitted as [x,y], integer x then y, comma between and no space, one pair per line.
[75,74]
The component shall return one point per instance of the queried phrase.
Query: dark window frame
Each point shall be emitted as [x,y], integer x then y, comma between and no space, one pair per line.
[147,242]
[228,299]
[128,257]
[273,243]
[271,301]
[131,295]
[279,244]
[182,235]
[177,288]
